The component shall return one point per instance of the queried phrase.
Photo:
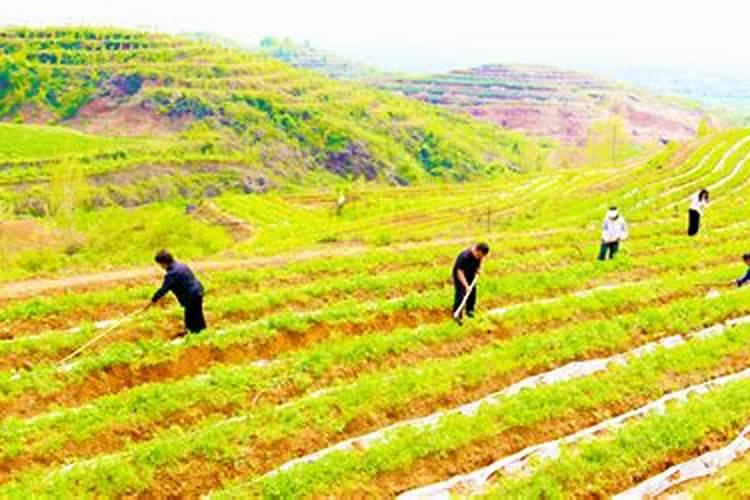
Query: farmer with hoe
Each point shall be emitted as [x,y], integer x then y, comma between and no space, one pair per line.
[181,281]
[465,272]
[614,230]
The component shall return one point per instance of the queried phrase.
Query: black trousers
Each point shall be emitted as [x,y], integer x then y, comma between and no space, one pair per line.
[694,222]
[610,248]
[459,297]
[194,320]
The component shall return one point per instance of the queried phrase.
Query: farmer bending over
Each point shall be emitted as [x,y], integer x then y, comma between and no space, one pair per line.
[614,230]
[181,281]
[465,271]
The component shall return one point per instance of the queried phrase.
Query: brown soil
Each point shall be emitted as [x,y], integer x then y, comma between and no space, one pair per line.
[73,318]
[106,116]
[286,392]
[484,452]
[62,321]
[197,359]
[98,281]
[712,441]
[205,475]
[132,333]
[237,228]
[138,276]
[112,439]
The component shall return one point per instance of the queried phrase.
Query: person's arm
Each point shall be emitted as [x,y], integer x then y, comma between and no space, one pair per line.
[624,230]
[462,278]
[166,286]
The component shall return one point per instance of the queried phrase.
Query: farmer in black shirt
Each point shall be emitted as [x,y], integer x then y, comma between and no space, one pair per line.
[465,270]
[181,281]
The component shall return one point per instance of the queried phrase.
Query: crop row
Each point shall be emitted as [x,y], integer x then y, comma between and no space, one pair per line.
[405,455]
[376,347]
[332,412]
[251,337]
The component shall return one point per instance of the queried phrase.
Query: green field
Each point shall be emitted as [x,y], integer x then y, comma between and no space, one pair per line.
[338,327]
[331,366]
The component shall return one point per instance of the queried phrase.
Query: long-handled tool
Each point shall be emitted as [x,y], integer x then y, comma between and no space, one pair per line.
[103,334]
[724,284]
[713,293]
[457,312]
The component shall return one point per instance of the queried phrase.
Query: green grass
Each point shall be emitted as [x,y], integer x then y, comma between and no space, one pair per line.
[32,142]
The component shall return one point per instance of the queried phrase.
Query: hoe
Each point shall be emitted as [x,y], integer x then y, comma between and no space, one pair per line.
[28,366]
[103,334]
[457,313]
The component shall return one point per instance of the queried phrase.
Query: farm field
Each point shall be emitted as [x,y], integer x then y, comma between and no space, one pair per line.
[323,217]
[332,366]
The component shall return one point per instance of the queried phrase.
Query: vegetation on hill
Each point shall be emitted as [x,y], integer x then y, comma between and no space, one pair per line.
[550,102]
[553,102]
[244,117]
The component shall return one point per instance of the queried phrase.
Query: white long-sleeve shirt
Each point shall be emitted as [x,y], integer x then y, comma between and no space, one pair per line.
[697,204]
[614,229]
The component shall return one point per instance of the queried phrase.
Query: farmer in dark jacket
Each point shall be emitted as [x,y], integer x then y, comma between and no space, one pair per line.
[746,278]
[465,270]
[181,281]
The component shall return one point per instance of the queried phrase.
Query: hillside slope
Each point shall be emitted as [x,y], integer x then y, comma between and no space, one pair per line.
[538,100]
[332,367]
[552,102]
[228,108]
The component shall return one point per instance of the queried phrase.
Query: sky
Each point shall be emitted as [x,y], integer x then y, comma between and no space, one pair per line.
[437,35]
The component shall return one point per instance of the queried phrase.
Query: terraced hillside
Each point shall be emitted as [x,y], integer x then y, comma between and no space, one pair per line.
[538,100]
[552,102]
[332,367]
[206,119]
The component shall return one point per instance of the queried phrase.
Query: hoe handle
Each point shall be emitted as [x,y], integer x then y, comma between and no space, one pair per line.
[458,311]
[94,340]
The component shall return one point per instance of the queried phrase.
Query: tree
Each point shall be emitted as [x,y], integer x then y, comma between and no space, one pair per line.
[5,213]
[67,192]
[607,141]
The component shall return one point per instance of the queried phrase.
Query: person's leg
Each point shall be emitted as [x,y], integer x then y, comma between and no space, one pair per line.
[200,320]
[458,296]
[693,222]
[471,302]
[614,247]
[603,251]
[194,320]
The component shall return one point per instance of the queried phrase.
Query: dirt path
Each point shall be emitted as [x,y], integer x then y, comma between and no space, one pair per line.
[31,287]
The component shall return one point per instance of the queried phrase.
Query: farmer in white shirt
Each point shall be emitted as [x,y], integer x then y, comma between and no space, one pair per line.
[698,202]
[614,231]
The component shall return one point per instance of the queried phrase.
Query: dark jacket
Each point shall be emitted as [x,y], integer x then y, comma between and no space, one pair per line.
[181,281]
[742,281]
[468,264]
